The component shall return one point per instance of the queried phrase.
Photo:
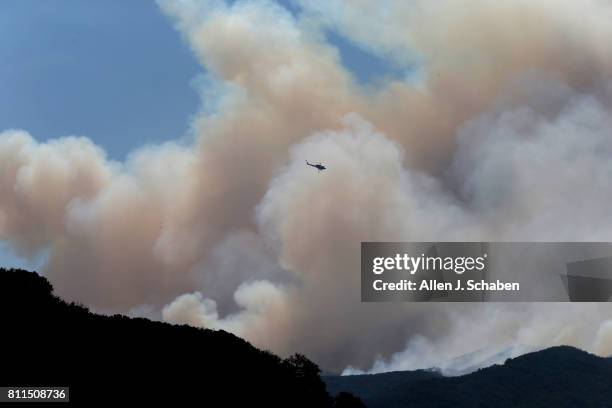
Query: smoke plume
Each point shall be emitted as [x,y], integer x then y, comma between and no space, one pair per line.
[505,136]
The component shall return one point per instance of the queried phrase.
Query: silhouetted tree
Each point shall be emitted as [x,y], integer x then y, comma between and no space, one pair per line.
[306,375]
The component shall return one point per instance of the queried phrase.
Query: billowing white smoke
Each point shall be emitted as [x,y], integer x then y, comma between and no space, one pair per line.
[508,137]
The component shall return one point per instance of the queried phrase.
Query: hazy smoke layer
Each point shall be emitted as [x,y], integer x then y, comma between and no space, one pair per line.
[506,135]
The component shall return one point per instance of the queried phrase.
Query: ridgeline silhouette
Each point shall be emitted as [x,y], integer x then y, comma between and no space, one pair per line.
[110,359]
[556,377]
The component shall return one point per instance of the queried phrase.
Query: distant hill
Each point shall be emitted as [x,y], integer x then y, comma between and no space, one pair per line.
[555,377]
[113,359]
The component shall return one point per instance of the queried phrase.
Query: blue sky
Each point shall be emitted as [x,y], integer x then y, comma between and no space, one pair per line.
[115,71]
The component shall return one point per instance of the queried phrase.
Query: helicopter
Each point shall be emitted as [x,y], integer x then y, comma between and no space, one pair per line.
[317,166]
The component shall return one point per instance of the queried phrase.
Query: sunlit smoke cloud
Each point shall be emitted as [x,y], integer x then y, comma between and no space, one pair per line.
[508,137]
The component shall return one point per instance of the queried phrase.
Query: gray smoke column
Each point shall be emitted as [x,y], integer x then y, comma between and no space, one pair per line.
[506,136]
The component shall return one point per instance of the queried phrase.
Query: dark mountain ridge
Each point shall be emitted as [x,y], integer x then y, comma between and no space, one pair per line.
[560,376]
[113,359]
